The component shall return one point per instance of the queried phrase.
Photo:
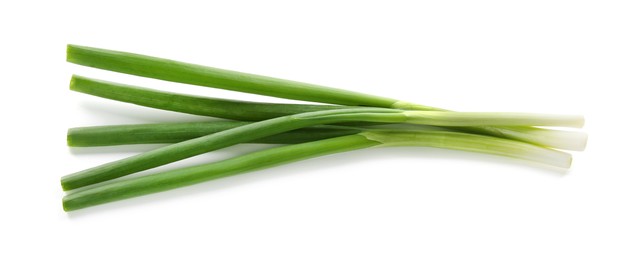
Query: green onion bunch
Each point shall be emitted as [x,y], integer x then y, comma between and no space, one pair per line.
[345,121]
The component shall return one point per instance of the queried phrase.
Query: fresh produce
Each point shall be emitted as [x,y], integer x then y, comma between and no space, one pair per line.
[356,121]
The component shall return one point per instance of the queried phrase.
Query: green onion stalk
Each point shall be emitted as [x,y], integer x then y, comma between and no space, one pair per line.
[248,132]
[257,111]
[142,185]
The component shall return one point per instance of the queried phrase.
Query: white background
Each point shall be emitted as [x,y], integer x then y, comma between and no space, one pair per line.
[573,57]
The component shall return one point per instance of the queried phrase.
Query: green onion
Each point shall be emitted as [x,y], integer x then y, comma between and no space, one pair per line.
[239,110]
[179,132]
[193,147]
[138,186]
[304,127]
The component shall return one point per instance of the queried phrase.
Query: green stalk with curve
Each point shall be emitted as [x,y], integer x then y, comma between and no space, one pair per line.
[193,147]
[138,186]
